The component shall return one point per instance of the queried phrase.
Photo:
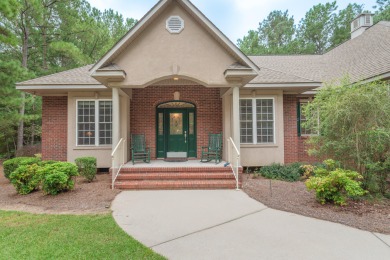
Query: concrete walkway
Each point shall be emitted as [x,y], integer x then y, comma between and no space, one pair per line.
[227,224]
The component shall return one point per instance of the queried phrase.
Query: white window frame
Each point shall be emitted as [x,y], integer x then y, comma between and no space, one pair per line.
[97,134]
[254,119]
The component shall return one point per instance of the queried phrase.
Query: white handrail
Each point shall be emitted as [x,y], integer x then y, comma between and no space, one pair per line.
[117,160]
[234,162]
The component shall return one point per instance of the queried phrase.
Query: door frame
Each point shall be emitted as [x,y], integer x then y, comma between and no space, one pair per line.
[165,111]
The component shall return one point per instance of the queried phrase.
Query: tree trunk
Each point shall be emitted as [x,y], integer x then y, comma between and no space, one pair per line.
[32,122]
[26,35]
[44,51]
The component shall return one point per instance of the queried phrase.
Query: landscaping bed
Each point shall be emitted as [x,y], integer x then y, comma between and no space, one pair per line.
[293,197]
[86,198]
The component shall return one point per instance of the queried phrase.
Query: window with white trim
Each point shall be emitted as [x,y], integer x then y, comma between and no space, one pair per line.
[94,122]
[304,129]
[257,121]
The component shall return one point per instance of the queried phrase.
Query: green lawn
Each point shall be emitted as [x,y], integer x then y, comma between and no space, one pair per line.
[30,236]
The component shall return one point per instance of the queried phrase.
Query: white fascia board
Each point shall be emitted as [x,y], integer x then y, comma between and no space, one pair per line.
[248,73]
[60,87]
[128,36]
[379,77]
[283,85]
[112,73]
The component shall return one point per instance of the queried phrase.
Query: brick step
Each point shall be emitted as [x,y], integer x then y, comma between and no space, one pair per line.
[177,169]
[175,184]
[176,176]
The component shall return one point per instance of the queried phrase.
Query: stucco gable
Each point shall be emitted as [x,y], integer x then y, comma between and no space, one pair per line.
[149,52]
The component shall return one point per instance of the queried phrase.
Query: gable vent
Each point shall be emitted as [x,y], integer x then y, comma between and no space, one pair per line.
[175,24]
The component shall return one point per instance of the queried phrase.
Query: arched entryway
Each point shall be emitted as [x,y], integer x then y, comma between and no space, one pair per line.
[176,130]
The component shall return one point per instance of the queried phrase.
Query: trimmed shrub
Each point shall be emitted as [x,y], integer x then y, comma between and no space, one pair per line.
[26,178]
[335,186]
[12,164]
[58,177]
[56,182]
[308,171]
[87,167]
[290,172]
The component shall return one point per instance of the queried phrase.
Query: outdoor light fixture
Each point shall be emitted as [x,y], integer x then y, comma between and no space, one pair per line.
[175,79]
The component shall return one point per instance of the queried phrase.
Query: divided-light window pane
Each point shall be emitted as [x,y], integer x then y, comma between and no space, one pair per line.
[87,123]
[257,121]
[246,121]
[265,120]
[105,122]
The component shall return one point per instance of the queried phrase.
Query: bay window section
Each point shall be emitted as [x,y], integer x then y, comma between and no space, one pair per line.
[257,121]
[94,122]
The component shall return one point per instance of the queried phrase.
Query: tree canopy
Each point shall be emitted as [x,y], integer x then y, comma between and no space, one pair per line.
[40,37]
[323,27]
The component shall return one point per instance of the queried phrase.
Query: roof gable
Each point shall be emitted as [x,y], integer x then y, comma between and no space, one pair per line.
[153,14]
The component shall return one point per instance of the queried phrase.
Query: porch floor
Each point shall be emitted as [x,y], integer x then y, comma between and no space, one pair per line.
[164,164]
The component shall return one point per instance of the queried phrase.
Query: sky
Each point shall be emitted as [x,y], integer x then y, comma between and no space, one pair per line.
[233,17]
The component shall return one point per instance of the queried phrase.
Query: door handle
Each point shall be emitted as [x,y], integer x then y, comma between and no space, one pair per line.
[185,137]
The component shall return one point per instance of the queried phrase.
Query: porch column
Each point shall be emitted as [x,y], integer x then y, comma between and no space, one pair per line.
[115,117]
[236,116]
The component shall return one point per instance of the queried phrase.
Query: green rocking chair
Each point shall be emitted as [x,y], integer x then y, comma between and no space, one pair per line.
[139,151]
[214,149]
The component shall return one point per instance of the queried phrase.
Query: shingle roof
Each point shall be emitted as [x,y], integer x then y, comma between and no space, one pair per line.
[78,76]
[291,68]
[363,57]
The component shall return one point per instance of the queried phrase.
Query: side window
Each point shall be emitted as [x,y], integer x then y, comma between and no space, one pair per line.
[303,128]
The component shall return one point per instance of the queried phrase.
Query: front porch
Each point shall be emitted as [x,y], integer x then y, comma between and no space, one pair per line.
[192,174]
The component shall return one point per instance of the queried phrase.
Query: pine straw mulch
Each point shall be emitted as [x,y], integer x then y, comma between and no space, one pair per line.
[96,198]
[86,198]
[293,197]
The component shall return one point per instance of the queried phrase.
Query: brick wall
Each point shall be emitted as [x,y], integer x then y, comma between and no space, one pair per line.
[295,149]
[208,110]
[54,128]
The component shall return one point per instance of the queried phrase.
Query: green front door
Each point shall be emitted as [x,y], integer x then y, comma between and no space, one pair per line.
[176,131]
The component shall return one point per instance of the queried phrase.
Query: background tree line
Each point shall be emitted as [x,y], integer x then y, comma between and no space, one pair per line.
[41,37]
[323,27]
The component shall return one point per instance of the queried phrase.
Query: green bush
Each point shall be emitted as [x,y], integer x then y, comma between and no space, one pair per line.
[87,167]
[26,178]
[58,177]
[355,128]
[376,176]
[56,182]
[12,164]
[335,186]
[290,172]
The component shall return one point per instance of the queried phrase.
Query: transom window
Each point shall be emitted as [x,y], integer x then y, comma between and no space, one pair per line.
[257,121]
[94,122]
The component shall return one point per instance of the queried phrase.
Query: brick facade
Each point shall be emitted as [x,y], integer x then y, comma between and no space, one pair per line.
[295,148]
[54,128]
[208,110]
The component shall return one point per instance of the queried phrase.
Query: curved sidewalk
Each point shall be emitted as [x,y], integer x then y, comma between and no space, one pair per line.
[227,224]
